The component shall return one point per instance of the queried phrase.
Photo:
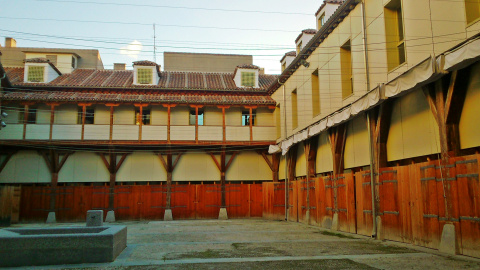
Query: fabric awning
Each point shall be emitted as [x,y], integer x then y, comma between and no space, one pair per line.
[417,76]
[463,56]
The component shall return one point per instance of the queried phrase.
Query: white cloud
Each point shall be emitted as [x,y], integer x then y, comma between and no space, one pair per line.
[132,50]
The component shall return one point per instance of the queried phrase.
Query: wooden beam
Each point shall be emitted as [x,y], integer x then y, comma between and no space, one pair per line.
[105,161]
[164,163]
[5,161]
[264,155]
[215,160]
[177,158]
[232,157]
[120,162]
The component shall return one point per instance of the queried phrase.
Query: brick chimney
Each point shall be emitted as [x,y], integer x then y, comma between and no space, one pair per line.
[119,66]
[10,42]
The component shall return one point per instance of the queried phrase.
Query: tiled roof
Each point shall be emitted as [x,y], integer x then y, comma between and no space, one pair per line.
[73,96]
[248,66]
[306,31]
[291,53]
[144,63]
[37,60]
[90,78]
[42,60]
[339,2]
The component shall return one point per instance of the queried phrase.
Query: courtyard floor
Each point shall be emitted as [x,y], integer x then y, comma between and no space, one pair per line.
[261,244]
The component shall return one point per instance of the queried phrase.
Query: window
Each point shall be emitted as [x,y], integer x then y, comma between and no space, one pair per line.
[35,74]
[248,79]
[472,10]
[144,76]
[52,59]
[31,118]
[321,21]
[284,66]
[145,118]
[294,109]
[193,117]
[74,62]
[346,66]
[278,120]
[89,115]
[394,34]
[315,93]
[246,117]
[299,48]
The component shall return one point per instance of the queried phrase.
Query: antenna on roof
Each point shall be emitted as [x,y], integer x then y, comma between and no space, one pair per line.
[154,45]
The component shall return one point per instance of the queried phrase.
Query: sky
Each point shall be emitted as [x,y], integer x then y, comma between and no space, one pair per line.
[123,30]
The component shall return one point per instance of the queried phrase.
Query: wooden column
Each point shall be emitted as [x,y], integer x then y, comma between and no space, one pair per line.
[272,164]
[54,164]
[379,118]
[224,123]
[169,121]
[291,164]
[111,118]
[223,166]
[250,108]
[337,137]
[113,165]
[446,97]
[310,148]
[52,118]
[84,113]
[169,166]
[25,119]
[140,119]
[196,120]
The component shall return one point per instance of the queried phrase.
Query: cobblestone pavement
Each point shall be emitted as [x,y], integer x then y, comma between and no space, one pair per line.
[261,244]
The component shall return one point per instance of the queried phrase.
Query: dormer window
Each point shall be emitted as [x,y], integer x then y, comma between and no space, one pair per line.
[248,79]
[246,76]
[321,20]
[144,76]
[145,72]
[36,74]
[40,70]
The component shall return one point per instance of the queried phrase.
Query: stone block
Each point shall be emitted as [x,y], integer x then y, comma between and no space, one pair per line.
[222,215]
[448,243]
[51,218]
[110,216]
[168,215]
[61,245]
[94,218]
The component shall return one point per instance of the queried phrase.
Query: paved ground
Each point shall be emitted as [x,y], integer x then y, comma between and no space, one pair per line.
[262,244]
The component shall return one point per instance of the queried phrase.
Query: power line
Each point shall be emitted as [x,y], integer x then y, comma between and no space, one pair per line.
[178,7]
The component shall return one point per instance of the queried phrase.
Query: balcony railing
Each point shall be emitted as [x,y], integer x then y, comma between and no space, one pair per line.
[137,133]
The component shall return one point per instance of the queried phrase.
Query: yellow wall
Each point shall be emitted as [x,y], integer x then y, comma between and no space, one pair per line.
[264,117]
[249,166]
[213,116]
[469,122]
[281,168]
[357,152]
[301,165]
[26,167]
[142,166]
[233,116]
[194,166]
[84,167]
[64,114]
[324,154]
[413,130]
[124,115]
[102,115]
[179,116]
[159,116]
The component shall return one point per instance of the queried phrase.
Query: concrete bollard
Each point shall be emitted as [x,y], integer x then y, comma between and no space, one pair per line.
[110,216]
[94,218]
[222,215]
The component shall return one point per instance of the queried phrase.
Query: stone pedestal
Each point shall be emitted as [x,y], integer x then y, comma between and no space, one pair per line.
[448,241]
[223,214]
[51,218]
[94,218]
[335,222]
[168,215]
[110,216]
